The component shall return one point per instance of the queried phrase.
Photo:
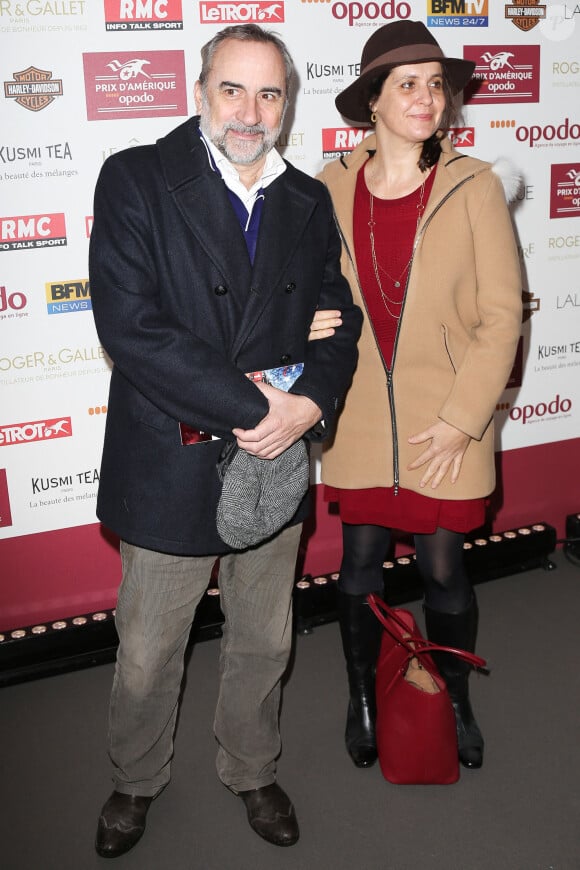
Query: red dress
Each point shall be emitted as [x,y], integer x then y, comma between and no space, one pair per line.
[394,233]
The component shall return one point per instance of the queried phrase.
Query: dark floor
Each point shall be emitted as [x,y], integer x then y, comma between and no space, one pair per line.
[520,812]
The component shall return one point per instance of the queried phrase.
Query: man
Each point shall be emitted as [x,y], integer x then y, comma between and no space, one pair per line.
[209,256]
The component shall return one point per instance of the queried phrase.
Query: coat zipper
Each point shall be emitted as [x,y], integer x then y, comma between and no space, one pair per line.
[389,371]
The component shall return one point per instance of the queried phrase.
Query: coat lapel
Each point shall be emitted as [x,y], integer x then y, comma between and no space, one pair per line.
[341,177]
[202,199]
[285,218]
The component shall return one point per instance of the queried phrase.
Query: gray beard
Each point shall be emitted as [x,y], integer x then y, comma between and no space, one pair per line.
[242,154]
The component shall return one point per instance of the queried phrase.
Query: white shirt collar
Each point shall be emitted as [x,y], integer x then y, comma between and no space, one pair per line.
[273,168]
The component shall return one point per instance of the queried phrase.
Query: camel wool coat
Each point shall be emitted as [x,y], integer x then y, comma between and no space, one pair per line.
[456,339]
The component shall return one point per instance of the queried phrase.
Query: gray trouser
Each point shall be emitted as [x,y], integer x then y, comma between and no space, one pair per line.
[157,601]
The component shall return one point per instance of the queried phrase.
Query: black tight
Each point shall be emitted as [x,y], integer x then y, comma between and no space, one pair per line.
[364,549]
[440,563]
[439,560]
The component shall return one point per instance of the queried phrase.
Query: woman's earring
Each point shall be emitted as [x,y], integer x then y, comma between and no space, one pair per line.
[373,117]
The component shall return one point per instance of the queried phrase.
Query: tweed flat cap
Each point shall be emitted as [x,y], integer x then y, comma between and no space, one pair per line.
[259,496]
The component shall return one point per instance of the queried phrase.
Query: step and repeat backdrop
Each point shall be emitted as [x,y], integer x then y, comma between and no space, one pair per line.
[82,79]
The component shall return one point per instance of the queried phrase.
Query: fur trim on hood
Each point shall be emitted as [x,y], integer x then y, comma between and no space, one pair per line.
[509,176]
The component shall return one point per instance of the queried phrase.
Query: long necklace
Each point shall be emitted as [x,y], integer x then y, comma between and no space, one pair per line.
[396,281]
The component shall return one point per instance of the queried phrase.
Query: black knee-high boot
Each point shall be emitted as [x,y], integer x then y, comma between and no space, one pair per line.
[458,630]
[360,631]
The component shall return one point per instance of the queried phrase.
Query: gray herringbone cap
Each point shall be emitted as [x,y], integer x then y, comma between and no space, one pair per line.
[259,496]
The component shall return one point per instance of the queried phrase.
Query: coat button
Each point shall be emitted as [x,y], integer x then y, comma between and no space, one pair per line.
[220,290]
[285,359]
[291,287]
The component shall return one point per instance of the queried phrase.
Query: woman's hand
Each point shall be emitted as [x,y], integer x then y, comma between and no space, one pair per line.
[324,324]
[445,451]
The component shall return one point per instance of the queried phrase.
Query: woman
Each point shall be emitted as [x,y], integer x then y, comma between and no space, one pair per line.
[429,251]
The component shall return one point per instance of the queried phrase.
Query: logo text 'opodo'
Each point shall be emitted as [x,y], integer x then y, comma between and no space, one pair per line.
[135,85]
[504,74]
[565,190]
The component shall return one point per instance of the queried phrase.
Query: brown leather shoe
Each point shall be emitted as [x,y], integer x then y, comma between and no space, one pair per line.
[271,814]
[121,824]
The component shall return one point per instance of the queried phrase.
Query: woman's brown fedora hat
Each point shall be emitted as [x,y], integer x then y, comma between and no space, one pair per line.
[392,45]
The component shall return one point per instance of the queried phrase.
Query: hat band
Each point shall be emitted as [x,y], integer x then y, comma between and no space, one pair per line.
[405,54]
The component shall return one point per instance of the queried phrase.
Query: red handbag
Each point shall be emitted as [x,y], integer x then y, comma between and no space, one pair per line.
[415,726]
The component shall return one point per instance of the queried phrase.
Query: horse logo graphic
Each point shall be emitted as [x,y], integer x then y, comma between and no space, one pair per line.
[462,136]
[499,60]
[56,429]
[131,69]
[271,12]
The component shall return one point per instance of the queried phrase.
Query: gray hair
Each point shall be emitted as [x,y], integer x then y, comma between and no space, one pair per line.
[245,33]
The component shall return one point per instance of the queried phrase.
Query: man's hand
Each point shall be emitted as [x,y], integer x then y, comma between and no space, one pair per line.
[289,417]
[446,451]
[324,324]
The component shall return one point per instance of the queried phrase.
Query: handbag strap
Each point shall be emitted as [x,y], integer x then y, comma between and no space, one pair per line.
[414,644]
